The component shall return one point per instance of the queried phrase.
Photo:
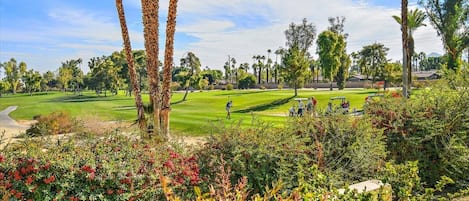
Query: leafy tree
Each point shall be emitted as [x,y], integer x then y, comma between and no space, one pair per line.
[70,74]
[212,75]
[295,68]
[415,19]
[191,74]
[373,60]
[4,87]
[295,62]
[450,19]
[248,81]
[104,75]
[48,81]
[14,73]
[337,26]
[300,36]
[64,77]
[32,81]
[392,73]
[330,47]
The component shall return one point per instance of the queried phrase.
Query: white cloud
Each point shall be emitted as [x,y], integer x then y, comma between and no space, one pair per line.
[365,24]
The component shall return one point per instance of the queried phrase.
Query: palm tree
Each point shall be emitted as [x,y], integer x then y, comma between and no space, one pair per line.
[130,60]
[168,65]
[150,24]
[415,20]
[269,62]
[233,69]
[278,52]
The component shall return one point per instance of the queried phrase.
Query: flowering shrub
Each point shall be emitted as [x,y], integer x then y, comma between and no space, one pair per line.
[114,168]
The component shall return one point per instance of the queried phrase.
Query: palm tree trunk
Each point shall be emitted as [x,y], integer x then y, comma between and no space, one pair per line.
[150,24]
[405,48]
[168,65]
[130,60]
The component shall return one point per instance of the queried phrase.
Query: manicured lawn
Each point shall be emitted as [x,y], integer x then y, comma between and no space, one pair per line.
[191,117]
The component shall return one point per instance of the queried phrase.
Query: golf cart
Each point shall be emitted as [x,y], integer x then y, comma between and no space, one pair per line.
[338,104]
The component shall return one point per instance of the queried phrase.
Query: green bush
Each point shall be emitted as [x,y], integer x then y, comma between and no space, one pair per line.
[432,128]
[55,123]
[262,154]
[247,82]
[229,87]
[346,149]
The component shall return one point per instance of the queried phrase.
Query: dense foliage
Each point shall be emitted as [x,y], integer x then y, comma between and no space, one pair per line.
[432,128]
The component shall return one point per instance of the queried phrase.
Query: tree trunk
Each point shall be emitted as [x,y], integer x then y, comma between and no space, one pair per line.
[130,60]
[150,24]
[405,50]
[168,65]
[296,90]
[185,94]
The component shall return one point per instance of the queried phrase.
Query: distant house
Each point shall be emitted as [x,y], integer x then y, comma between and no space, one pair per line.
[357,78]
[426,75]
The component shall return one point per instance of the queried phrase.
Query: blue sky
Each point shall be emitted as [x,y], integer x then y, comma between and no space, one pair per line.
[47,32]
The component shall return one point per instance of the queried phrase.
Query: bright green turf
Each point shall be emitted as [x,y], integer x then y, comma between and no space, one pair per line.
[190,117]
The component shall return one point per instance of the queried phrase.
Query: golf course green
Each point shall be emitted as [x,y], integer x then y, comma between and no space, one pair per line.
[192,117]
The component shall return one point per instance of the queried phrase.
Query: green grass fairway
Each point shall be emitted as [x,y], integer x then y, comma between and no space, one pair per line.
[191,117]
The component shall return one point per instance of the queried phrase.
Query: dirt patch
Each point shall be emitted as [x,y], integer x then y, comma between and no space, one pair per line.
[97,126]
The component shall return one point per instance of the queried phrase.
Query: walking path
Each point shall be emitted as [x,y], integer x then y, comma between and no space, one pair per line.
[9,128]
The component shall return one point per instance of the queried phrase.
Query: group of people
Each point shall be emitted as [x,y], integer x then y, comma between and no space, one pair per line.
[310,107]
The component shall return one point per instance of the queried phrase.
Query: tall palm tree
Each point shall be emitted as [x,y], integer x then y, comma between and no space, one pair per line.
[415,20]
[130,60]
[405,47]
[150,30]
[278,52]
[168,65]
[269,62]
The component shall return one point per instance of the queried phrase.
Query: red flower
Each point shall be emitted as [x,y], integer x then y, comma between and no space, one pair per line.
[2,158]
[46,166]
[169,164]
[19,195]
[29,180]
[88,169]
[110,192]
[73,198]
[49,180]
[17,176]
